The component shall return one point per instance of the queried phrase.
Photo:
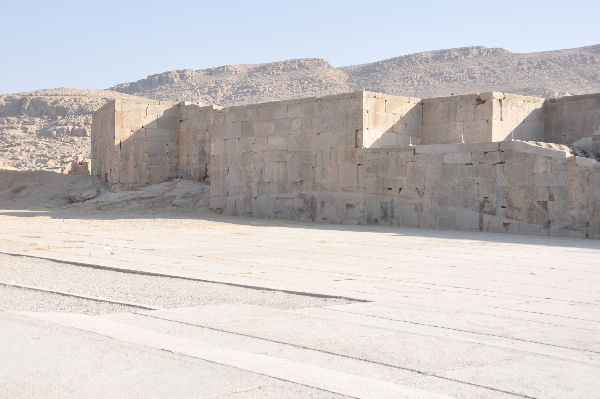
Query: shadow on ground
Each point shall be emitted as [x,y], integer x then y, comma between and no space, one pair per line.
[79,213]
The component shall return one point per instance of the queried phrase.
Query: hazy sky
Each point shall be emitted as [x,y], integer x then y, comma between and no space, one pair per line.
[96,44]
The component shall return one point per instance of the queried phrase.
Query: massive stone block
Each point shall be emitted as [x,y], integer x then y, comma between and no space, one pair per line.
[135,143]
[477,118]
[570,118]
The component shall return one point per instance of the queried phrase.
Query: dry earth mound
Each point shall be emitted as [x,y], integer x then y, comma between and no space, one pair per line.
[46,190]
[41,189]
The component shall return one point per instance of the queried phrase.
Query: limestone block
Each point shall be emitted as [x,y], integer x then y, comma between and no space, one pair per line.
[346,156]
[477,131]
[244,206]
[519,173]
[372,138]
[232,146]
[264,113]
[348,174]
[156,134]
[277,171]
[404,213]
[543,165]
[416,174]
[246,129]
[281,188]
[326,175]
[485,110]
[345,122]
[436,148]
[260,144]
[487,186]
[379,121]
[168,122]
[262,188]
[389,139]
[263,128]
[478,147]
[552,179]
[465,112]
[280,156]
[301,182]
[347,139]
[322,123]
[233,160]
[230,208]
[217,146]
[457,158]
[326,140]
[302,142]
[286,126]
[483,171]
[264,206]
[325,158]
[277,143]
[466,219]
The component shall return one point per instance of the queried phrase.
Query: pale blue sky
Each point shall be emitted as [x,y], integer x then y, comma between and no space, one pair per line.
[96,44]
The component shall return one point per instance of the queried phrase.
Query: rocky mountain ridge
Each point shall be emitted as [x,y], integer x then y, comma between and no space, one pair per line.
[47,129]
[427,74]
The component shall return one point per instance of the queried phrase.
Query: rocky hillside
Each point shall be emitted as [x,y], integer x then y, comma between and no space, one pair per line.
[48,128]
[243,84]
[428,74]
[480,69]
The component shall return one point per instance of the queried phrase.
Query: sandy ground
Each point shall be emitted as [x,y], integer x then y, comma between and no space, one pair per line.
[184,304]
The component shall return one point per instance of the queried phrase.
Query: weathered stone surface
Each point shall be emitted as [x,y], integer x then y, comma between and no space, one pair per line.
[359,158]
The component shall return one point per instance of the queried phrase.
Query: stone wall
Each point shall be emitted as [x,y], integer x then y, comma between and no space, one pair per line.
[267,159]
[510,187]
[307,160]
[103,141]
[391,120]
[517,117]
[135,143]
[195,135]
[570,118]
[457,119]
[480,118]
[357,158]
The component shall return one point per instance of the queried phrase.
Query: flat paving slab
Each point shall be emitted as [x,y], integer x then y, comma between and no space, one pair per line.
[292,310]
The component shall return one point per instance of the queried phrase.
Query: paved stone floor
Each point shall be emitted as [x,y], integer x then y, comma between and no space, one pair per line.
[122,305]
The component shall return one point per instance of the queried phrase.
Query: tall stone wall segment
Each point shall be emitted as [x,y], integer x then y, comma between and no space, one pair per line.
[267,159]
[480,118]
[134,144]
[570,118]
[457,162]
[391,121]
[196,130]
[509,186]
[103,141]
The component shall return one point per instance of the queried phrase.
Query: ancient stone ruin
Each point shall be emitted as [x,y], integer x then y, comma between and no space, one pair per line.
[472,162]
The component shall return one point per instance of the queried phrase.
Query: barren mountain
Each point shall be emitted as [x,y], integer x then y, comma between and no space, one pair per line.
[243,84]
[428,74]
[48,128]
